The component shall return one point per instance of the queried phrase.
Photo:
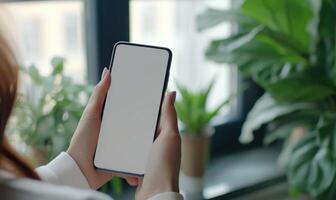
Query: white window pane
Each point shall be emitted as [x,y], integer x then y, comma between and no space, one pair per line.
[172,23]
[51,28]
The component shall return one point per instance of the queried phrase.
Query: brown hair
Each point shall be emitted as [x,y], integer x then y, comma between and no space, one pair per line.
[10,160]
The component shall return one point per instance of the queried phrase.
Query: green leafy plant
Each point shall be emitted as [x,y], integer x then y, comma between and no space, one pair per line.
[192,109]
[48,110]
[47,113]
[288,47]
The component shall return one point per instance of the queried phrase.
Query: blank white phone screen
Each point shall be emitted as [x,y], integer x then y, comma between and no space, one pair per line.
[131,108]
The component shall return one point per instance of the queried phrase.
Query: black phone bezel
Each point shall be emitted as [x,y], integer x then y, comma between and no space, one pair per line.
[170,55]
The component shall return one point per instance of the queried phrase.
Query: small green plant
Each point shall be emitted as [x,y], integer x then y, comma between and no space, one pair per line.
[47,112]
[48,109]
[192,109]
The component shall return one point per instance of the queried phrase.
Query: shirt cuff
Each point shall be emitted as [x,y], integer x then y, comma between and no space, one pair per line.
[167,196]
[63,170]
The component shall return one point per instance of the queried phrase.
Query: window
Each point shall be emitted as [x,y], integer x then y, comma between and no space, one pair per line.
[51,28]
[72,33]
[31,38]
[172,23]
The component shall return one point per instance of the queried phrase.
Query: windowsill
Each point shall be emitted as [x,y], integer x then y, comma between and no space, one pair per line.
[237,174]
[240,171]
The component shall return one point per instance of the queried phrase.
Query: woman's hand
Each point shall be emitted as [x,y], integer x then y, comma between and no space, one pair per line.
[84,140]
[163,168]
[164,163]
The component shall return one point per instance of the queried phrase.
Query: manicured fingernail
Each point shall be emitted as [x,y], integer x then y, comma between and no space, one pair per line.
[173,98]
[104,73]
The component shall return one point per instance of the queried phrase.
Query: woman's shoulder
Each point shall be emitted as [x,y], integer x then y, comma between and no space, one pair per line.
[22,188]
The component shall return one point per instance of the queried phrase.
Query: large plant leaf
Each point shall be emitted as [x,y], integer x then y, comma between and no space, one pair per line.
[252,51]
[227,50]
[282,16]
[212,17]
[311,168]
[326,133]
[281,132]
[283,126]
[240,41]
[265,110]
[326,40]
[303,86]
[329,194]
[326,26]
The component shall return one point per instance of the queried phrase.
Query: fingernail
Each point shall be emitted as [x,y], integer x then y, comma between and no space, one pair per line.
[173,97]
[104,73]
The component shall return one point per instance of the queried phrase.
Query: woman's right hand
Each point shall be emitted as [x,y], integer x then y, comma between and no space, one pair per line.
[162,172]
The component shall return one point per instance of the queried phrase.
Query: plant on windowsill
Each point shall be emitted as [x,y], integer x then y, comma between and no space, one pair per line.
[196,132]
[288,47]
[47,112]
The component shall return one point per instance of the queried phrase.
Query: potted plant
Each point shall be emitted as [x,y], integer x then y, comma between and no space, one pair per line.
[196,133]
[47,112]
[289,48]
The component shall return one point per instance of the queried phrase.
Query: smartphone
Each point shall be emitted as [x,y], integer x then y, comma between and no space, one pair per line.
[132,107]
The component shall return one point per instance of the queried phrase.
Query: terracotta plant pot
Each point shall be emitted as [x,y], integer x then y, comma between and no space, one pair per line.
[195,156]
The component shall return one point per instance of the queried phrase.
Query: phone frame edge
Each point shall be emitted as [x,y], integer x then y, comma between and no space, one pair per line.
[165,84]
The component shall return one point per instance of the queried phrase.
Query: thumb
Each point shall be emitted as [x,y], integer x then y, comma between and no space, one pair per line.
[169,117]
[100,91]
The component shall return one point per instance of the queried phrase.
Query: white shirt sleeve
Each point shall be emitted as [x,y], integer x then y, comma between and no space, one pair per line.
[63,170]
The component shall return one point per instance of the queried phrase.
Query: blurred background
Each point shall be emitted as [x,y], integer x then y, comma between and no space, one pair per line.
[255,81]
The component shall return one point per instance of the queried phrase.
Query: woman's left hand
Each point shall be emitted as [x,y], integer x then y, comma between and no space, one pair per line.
[84,140]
